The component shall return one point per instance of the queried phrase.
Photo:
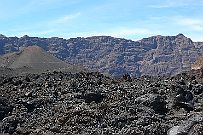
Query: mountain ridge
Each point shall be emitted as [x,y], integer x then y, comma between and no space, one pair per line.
[156,55]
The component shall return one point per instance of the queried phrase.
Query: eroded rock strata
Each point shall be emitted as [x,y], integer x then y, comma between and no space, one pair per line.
[156,55]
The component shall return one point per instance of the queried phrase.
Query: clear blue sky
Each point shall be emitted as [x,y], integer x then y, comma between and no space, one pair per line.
[131,19]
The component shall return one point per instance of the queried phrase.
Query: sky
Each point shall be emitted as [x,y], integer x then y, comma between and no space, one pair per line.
[130,19]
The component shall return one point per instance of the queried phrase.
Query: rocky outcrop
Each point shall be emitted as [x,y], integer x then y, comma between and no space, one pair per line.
[157,55]
[198,64]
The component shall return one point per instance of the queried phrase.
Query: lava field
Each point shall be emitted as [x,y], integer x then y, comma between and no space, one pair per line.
[61,103]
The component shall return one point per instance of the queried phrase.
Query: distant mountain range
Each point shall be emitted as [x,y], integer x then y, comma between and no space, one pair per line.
[156,55]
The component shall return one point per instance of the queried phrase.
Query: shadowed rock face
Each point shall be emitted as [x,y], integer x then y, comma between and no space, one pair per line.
[5,107]
[157,55]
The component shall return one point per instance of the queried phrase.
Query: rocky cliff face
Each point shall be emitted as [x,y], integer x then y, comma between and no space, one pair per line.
[172,55]
[157,55]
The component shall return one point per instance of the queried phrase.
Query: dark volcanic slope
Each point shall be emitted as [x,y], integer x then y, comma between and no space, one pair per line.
[92,104]
[157,55]
[32,59]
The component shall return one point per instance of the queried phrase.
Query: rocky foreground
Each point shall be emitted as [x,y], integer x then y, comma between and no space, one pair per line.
[92,104]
